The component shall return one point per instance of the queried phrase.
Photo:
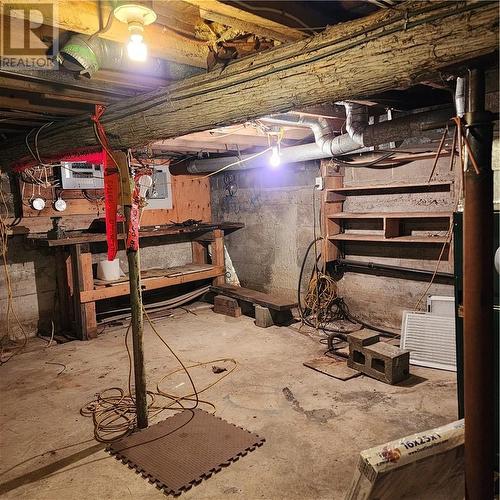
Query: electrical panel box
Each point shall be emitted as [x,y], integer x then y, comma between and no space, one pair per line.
[81,175]
[159,195]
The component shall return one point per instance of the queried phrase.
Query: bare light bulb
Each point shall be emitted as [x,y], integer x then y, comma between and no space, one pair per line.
[136,48]
[274,160]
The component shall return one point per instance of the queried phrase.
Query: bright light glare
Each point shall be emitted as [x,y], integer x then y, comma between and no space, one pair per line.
[137,50]
[275,160]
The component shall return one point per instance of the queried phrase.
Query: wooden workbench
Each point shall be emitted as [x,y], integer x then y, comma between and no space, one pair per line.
[78,290]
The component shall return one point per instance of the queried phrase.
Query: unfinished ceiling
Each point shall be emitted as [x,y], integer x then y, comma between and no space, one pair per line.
[187,38]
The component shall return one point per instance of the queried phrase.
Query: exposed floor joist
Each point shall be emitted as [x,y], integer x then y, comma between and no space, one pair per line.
[347,61]
[213,10]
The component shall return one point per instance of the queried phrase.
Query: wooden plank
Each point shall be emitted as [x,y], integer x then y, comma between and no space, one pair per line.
[390,215]
[391,228]
[75,206]
[380,238]
[213,10]
[83,282]
[64,294]
[218,258]
[191,232]
[199,252]
[255,297]
[90,296]
[379,188]
[26,105]
[330,249]
[84,16]
[312,71]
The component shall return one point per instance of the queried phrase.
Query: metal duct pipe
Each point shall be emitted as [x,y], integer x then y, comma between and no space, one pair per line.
[380,133]
[460,96]
[86,55]
[324,137]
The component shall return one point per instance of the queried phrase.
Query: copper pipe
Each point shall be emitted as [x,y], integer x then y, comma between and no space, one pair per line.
[478,297]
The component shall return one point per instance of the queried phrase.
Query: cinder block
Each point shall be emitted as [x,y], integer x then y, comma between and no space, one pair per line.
[363,338]
[227,305]
[380,360]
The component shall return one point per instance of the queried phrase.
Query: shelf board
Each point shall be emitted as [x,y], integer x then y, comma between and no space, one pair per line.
[391,215]
[387,188]
[380,238]
[168,277]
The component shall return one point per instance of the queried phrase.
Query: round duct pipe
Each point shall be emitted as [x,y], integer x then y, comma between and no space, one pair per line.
[86,54]
[413,125]
[80,54]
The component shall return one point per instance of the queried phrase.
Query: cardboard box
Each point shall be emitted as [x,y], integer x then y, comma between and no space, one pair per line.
[428,465]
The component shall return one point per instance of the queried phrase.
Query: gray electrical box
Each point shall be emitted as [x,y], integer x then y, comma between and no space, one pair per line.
[81,175]
[159,195]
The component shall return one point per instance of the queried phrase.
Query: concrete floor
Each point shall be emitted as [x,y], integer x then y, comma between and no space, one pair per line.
[312,440]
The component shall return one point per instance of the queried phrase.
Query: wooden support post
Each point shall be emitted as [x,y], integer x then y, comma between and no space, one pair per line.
[64,294]
[137,320]
[199,252]
[479,334]
[333,177]
[218,255]
[83,280]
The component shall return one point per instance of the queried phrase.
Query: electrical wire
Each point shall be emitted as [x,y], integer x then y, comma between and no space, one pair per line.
[113,410]
[251,157]
[11,311]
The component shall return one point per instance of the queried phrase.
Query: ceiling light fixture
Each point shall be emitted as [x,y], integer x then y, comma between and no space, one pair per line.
[136,16]
[275,160]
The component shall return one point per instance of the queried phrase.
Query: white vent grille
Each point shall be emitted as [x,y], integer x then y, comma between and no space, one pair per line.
[430,340]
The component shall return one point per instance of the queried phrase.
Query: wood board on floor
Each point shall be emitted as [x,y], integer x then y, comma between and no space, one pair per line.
[336,368]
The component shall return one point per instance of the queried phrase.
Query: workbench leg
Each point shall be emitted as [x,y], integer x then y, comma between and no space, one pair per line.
[218,255]
[199,252]
[64,278]
[83,280]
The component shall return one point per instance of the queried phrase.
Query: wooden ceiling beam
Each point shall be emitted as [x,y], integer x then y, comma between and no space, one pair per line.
[63,81]
[25,105]
[214,10]
[353,60]
[58,92]
[83,17]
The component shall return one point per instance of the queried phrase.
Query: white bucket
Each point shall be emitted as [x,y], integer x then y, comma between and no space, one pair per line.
[108,270]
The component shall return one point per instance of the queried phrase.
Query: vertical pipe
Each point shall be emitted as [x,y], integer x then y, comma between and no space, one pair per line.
[478,297]
[137,332]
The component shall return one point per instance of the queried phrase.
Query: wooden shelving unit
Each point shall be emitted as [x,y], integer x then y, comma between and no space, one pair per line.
[387,227]
[334,194]
[382,239]
[392,226]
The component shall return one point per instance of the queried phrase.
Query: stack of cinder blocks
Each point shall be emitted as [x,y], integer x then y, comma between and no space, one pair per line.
[379,360]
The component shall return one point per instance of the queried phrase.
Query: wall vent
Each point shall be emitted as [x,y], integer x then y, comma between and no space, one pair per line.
[430,340]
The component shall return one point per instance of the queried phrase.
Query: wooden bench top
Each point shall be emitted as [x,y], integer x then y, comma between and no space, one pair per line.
[260,298]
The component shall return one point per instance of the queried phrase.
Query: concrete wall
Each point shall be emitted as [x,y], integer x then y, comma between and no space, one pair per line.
[276,208]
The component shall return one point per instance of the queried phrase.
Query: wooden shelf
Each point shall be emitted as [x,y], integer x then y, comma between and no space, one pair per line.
[333,193]
[173,276]
[382,239]
[391,215]
[79,237]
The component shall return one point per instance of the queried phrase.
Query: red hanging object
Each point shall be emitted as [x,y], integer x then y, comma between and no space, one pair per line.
[111,185]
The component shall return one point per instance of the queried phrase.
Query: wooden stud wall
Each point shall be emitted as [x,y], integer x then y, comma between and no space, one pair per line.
[191,200]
